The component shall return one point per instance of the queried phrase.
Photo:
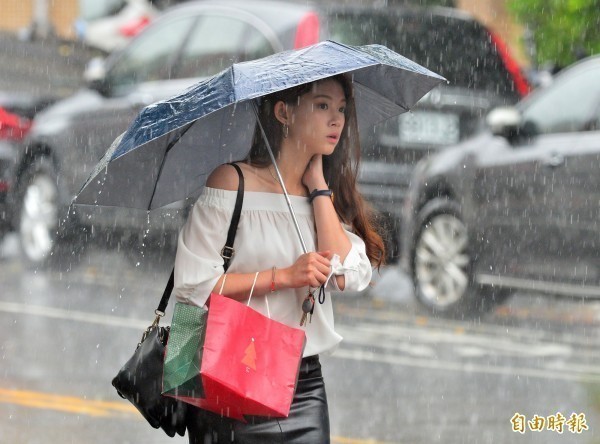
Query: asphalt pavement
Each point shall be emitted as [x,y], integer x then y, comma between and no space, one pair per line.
[399,376]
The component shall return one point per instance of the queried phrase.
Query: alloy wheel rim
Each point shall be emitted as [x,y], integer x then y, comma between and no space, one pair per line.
[442,261]
[39,217]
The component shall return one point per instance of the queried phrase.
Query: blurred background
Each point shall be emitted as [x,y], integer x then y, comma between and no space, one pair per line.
[483,326]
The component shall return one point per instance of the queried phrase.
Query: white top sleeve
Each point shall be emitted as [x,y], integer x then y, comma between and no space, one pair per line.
[198,263]
[356,268]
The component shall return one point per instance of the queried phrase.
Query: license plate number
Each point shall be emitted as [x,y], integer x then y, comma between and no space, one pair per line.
[428,127]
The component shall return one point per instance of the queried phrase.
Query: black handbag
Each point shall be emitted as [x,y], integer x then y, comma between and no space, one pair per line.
[140,379]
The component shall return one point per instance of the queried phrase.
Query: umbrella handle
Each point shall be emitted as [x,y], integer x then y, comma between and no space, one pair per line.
[279,178]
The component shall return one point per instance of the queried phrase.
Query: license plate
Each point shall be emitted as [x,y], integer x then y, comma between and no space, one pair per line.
[429,127]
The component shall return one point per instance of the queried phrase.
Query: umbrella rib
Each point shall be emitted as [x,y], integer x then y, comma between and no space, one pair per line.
[164,159]
[405,108]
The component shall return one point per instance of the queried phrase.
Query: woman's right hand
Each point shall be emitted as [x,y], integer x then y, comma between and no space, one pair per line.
[309,270]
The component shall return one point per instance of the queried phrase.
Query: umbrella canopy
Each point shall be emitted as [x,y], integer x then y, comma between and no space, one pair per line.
[172,146]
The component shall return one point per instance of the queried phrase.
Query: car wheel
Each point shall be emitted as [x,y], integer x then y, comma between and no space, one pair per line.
[443,263]
[37,223]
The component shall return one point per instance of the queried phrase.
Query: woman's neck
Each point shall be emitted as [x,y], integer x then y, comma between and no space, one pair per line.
[292,164]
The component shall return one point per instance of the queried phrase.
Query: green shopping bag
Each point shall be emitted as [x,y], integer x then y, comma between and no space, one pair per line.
[183,357]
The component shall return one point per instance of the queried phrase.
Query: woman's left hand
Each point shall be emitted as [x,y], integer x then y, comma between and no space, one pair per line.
[314,178]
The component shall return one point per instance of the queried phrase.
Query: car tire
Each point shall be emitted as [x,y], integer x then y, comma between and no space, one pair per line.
[37,211]
[442,264]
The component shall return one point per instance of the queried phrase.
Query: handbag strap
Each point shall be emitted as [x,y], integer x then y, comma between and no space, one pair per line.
[227,252]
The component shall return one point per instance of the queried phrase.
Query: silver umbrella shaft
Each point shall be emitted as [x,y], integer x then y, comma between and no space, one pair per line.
[279,178]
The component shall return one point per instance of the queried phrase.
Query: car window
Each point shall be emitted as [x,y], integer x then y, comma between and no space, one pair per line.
[568,106]
[150,57]
[218,41]
[461,51]
[359,29]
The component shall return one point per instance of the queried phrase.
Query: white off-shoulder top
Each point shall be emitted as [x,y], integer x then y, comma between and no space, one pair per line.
[265,237]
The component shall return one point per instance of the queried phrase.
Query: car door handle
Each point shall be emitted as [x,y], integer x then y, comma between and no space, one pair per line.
[555,160]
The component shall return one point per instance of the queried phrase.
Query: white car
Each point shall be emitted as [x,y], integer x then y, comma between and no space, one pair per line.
[109,25]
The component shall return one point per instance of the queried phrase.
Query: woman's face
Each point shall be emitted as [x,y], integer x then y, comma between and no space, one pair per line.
[316,122]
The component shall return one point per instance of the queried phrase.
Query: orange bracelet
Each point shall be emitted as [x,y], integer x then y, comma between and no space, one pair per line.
[273,279]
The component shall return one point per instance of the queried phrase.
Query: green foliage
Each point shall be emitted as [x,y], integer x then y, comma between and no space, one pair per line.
[446,3]
[563,30]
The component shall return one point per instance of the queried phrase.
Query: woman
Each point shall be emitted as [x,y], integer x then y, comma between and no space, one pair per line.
[312,130]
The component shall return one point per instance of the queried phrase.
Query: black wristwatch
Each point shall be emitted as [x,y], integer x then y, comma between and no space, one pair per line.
[317,193]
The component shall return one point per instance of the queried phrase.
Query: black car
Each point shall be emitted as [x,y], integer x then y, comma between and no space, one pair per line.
[198,39]
[515,208]
[16,112]
[481,75]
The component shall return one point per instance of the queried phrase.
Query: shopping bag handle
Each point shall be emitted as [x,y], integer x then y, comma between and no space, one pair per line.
[252,291]
[227,252]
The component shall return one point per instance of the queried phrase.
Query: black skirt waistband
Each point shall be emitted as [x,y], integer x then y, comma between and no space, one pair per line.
[310,367]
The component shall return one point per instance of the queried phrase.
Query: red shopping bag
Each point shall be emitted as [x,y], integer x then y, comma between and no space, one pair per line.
[250,363]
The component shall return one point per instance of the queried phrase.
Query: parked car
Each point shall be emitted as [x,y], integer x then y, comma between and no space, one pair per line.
[197,39]
[12,128]
[515,208]
[481,73]
[16,113]
[109,25]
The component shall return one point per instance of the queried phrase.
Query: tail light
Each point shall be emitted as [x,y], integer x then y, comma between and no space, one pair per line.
[512,66]
[12,126]
[134,27]
[308,31]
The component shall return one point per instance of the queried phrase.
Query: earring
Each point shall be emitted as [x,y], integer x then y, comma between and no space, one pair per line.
[286,131]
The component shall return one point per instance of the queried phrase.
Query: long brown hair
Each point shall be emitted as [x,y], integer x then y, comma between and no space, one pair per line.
[340,168]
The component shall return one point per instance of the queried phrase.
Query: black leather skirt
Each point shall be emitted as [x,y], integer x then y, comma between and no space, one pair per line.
[307,423]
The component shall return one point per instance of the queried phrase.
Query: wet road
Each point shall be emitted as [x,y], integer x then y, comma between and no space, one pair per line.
[398,377]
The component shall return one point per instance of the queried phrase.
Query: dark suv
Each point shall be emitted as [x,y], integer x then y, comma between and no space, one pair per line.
[515,208]
[481,74]
[198,39]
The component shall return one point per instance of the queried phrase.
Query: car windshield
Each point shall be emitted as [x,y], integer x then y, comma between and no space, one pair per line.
[460,50]
[149,58]
[568,106]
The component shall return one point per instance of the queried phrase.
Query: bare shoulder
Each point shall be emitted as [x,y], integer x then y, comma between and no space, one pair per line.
[224,177]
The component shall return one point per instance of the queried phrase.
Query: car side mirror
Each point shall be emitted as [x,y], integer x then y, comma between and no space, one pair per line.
[504,121]
[95,75]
